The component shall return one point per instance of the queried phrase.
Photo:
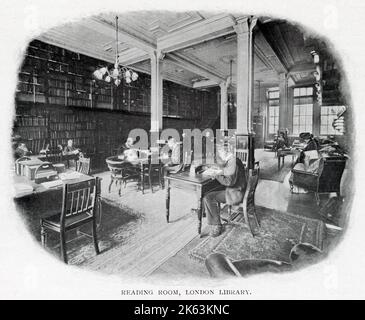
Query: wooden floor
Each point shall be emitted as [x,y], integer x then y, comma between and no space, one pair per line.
[270,194]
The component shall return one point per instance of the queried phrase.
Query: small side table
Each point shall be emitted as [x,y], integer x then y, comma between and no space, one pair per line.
[282,153]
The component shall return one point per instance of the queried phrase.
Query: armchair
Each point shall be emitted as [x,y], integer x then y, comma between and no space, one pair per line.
[326,180]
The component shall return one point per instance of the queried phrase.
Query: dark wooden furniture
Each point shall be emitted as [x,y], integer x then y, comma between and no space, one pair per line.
[198,184]
[247,207]
[326,180]
[282,153]
[83,165]
[54,155]
[147,171]
[78,204]
[121,171]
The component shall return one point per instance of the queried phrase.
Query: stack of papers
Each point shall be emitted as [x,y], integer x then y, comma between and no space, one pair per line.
[211,172]
[22,189]
[52,184]
[69,175]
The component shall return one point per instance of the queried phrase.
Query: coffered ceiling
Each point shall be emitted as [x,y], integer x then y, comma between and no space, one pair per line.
[198,47]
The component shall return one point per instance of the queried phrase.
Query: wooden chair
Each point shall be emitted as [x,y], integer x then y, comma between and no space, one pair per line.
[78,209]
[149,170]
[83,165]
[248,203]
[18,166]
[242,154]
[121,172]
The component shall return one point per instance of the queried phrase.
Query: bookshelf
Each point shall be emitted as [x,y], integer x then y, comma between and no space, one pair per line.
[57,99]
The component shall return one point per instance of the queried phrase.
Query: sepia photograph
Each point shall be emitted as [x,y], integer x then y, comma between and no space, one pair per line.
[197,152]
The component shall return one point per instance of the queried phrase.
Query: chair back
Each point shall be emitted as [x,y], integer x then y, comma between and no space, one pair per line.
[18,167]
[78,199]
[330,174]
[242,154]
[54,155]
[252,180]
[83,165]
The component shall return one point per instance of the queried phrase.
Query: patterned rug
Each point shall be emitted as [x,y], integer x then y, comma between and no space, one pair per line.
[279,232]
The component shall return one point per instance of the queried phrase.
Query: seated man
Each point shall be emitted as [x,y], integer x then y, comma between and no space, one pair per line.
[70,149]
[233,179]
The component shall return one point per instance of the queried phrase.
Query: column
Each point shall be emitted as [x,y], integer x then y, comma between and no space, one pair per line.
[284,120]
[244,28]
[156,91]
[224,106]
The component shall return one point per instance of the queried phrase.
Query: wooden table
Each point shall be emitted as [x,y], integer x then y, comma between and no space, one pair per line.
[200,185]
[38,188]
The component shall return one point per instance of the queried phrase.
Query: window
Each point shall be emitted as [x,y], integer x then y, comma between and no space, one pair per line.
[328,114]
[303,110]
[273,96]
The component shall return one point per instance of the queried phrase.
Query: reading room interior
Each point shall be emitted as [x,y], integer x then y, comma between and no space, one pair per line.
[183,144]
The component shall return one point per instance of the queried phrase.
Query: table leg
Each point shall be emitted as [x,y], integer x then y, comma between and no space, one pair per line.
[142,177]
[167,185]
[200,213]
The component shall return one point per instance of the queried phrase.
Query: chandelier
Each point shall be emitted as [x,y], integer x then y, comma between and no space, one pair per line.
[118,73]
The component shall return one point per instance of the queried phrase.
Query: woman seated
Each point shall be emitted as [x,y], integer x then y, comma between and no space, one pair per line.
[281,142]
[310,145]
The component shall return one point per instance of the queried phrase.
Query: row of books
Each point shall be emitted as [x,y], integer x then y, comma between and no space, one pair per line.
[78,102]
[32,133]
[31,121]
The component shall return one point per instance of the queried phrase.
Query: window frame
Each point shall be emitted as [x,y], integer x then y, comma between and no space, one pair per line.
[304,93]
[276,107]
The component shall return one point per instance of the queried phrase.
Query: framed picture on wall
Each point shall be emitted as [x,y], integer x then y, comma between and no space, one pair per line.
[242,141]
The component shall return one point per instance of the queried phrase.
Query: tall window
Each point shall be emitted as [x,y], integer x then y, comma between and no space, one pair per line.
[273,98]
[328,114]
[303,110]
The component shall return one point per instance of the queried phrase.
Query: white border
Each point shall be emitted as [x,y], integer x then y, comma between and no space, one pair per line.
[27,272]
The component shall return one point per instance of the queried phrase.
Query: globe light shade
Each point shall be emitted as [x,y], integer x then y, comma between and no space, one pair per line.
[98,75]
[103,70]
[117,82]
[128,80]
[115,72]
[134,76]
[127,74]
[107,78]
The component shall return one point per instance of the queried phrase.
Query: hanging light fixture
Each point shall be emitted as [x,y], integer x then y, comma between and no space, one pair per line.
[118,73]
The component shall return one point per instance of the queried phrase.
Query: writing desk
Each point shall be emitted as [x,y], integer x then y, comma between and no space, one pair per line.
[38,188]
[199,184]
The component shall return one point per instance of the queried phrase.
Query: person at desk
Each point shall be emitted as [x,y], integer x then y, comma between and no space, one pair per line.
[233,178]
[282,141]
[310,145]
[21,151]
[70,149]
[172,158]
[126,145]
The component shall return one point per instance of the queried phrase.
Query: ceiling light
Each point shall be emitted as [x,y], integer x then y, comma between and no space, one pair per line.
[118,72]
